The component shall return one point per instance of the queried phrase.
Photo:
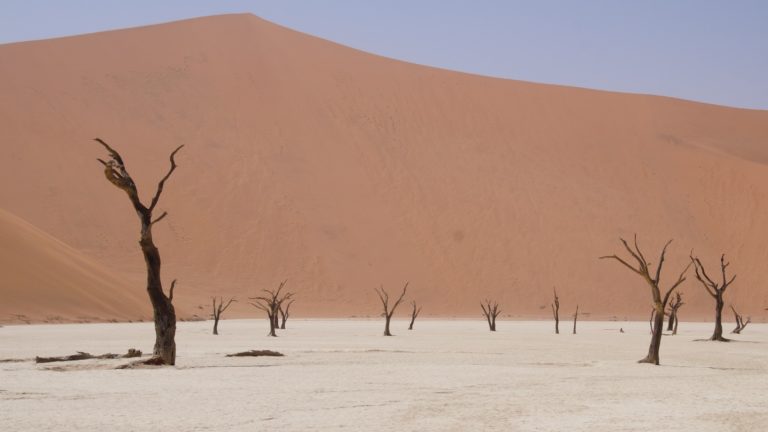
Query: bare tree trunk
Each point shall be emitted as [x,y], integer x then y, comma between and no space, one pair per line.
[414,313]
[650,320]
[718,334]
[556,312]
[387,314]
[575,317]
[285,312]
[653,349]
[162,307]
[272,326]
[674,305]
[740,323]
[218,310]
[271,304]
[163,310]
[716,291]
[660,300]
[491,311]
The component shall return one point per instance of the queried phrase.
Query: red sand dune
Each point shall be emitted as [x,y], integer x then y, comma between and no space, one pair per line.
[45,280]
[340,170]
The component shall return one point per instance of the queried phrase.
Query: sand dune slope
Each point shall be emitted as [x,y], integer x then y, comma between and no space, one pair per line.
[340,170]
[45,280]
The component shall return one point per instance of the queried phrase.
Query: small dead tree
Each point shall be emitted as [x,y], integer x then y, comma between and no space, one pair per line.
[219,309]
[387,314]
[740,323]
[270,303]
[491,311]
[556,311]
[414,313]
[674,305]
[575,318]
[162,305]
[716,290]
[285,313]
[659,301]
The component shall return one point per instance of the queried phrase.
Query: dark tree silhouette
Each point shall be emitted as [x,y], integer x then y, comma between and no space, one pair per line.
[219,309]
[414,313]
[556,311]
[659,301]
[491,311]
[674,305]
[575,318]
[270,303]
[716,290]
[285,313]
[740,323]
[387,314]
[162,306]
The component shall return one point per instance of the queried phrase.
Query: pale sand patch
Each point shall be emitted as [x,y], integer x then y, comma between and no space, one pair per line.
[342,374]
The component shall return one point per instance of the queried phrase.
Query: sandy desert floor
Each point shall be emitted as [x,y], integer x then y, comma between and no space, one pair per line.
[343,375]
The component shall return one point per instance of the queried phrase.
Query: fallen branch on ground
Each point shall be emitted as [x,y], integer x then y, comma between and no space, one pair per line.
[86,356]
[256,353]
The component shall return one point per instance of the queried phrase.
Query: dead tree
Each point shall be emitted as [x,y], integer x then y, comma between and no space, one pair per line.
[414,313]
[219,309]
[659,301]
[575,317]
[270,303]
[162,305]
[491,311]
[716,290]
[285,313]
[674,305]
[387,314]
[556,312]
[740,323]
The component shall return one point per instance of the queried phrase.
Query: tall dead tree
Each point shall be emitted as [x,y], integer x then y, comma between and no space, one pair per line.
[674,305]
[162,305]
[270,303]
[716,290]
[388,312]
[219,309]
[491,311]
[285,313]
[556,311]
[575,318]
[659,301]
[740,323]
[414,313]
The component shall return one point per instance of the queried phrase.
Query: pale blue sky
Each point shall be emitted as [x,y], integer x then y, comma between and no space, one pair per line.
[705,50]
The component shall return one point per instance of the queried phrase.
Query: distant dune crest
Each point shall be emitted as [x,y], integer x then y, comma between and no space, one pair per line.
[340,171]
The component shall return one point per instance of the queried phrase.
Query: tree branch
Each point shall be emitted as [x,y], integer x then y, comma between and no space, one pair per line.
[160,185]
[170,292]
[616,257]
[661,261]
